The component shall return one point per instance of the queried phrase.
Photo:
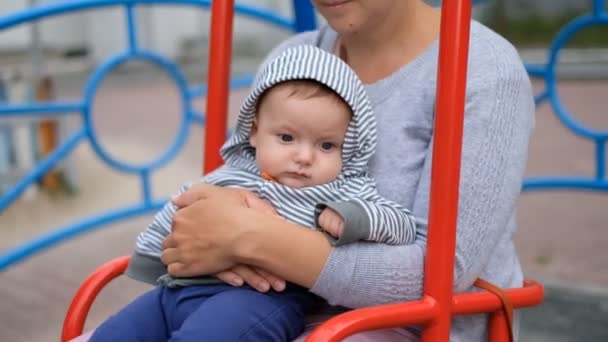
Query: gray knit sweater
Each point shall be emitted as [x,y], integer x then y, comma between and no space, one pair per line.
[499,121]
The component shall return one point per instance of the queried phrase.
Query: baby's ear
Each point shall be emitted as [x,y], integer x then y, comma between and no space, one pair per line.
[253,134]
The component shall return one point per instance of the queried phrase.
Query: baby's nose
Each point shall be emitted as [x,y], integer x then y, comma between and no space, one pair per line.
[305,155]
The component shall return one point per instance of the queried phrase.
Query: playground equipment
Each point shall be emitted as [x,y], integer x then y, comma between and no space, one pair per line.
[435,310]
[304,20]
[599,182]
[438,304]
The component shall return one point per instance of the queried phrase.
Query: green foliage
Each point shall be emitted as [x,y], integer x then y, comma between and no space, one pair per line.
[535,30]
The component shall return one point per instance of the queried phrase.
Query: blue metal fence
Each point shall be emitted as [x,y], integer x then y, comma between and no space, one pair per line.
[598,16]
[304,19]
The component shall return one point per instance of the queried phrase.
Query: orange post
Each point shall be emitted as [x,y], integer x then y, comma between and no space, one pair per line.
[447,146]
[48,132]
[220,51]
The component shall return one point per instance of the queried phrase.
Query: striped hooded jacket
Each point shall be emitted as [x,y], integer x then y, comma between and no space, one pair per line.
[367,216]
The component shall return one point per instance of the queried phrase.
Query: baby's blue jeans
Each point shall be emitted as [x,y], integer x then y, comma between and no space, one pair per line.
[211,313]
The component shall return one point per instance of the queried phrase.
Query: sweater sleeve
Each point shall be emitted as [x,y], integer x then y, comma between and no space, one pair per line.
[499,118]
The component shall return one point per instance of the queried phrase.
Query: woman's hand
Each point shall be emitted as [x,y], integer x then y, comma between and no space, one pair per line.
[218,230]
[255,277]
[188,250]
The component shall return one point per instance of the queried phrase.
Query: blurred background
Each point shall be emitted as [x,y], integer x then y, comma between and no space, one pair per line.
[136,113]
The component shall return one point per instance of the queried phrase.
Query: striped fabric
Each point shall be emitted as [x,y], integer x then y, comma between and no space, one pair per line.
[389,222]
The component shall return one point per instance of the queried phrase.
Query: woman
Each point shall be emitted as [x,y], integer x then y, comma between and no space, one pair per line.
[392,45]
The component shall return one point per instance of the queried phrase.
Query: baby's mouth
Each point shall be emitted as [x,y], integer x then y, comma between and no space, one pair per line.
[298,175]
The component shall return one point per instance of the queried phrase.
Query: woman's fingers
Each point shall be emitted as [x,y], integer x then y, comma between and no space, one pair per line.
[254,202]
[170,255]
[193,194]
[169,242]
[251,277]
[230,278]
[177,269]
[277,283]
[259,279]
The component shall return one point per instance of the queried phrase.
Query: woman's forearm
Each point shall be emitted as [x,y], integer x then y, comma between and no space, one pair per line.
[295,253]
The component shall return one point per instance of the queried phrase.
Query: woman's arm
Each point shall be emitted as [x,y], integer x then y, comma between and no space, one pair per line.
[498,123]
[295,253]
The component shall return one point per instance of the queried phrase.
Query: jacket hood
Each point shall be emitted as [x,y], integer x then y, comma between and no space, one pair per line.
[311,63]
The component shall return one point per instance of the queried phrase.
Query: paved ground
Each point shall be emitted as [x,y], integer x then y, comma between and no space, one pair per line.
[568,314]
[561,238]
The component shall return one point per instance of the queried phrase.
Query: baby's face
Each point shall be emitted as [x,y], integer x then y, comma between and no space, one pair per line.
[299,141]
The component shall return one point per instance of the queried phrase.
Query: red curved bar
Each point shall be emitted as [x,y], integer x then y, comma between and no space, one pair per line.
[339,327]
[220,55]
[88,291]
[421,312]
[530,294]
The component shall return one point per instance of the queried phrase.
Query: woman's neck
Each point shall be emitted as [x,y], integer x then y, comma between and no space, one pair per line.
[390,42]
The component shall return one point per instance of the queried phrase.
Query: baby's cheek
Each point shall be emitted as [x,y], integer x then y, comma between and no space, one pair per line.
[266,162]
[338,164]
[334,168]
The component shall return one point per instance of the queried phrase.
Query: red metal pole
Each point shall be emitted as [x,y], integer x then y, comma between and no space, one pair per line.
[471,303]
[445,175]
[498,329]
[220,51]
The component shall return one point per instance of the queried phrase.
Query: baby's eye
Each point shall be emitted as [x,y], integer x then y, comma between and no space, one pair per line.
[327,146]
[286,137]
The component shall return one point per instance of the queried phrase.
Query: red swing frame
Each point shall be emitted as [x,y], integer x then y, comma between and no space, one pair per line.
[438,304]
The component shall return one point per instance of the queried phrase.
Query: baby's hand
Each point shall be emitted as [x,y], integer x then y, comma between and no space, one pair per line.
[331,222]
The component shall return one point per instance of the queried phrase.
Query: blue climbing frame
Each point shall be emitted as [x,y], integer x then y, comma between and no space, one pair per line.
[547,72]
[304,19]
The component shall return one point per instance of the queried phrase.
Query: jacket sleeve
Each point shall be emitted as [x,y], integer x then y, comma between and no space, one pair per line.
[145,264]
[373,219]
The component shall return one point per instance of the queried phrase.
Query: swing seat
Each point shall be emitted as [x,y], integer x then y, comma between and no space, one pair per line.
[383,316]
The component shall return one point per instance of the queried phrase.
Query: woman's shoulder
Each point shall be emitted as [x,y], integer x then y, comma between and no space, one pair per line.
[489,52]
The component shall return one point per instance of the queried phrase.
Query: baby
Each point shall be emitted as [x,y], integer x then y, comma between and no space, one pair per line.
[303,139]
